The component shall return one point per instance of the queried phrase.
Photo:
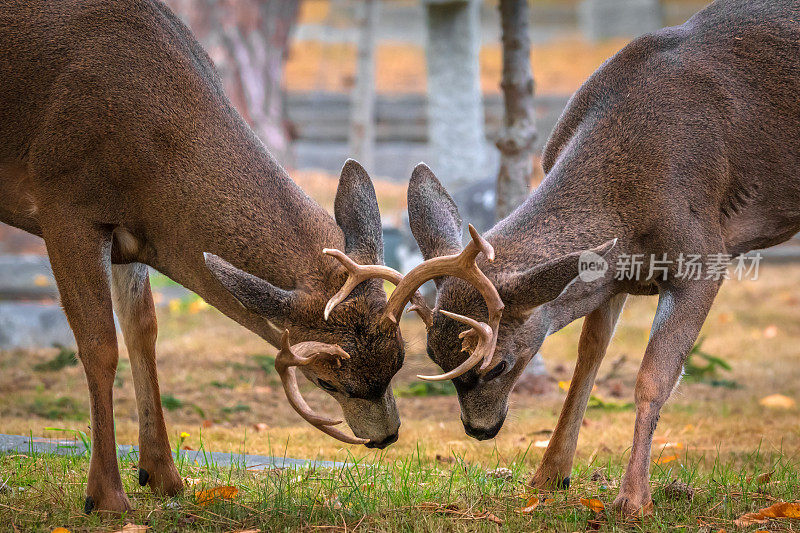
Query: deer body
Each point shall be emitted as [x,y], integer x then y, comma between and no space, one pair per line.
[685,142]
[120,149]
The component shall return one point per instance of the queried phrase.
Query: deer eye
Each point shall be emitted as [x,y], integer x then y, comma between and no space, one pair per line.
[325,385]
[496,371]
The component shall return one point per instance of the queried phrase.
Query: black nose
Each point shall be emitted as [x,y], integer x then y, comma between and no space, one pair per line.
[382,443]
[483,433]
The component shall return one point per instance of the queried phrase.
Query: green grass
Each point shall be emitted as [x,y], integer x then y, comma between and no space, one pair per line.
[409,494]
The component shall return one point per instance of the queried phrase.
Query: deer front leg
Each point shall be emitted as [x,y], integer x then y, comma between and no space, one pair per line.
[80,256]
[598,328]
[133,303]
[679,317]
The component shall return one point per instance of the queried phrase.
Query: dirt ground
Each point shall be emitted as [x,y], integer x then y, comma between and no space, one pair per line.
[215,387]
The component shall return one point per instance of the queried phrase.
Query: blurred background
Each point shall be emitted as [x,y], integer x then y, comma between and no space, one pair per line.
[473,88]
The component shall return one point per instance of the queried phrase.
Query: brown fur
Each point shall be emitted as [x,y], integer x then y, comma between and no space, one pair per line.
[118,145]
[687,141]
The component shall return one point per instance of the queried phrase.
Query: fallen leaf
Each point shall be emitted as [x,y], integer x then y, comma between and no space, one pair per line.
[208,423]
[777,401]
[132,528]
[594,504]
[782,510]
[192,481]
[492,518]
[207,497]
[60,530]
[530,505]
[748,519]
[764,478]
[261,426]
[664,459]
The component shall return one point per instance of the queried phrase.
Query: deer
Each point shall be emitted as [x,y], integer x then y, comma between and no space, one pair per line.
[120,149]
[687,141]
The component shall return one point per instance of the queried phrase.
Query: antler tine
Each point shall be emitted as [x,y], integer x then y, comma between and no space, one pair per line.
[303,354]
[485,337]
[356,274]
[462,266]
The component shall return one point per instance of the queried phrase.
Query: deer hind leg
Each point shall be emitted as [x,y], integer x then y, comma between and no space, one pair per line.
[133,303]
[680,315]
[80,256]
[598,328]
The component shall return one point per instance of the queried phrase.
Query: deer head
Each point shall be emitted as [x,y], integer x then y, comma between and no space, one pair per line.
[483,389]
[349,351]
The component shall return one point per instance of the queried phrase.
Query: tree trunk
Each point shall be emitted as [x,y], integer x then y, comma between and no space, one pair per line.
[516,139]
[362,104]
[248,41]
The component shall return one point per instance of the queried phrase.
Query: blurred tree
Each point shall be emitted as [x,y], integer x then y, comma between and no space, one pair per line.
[248,41]
[516,139]
[361,138]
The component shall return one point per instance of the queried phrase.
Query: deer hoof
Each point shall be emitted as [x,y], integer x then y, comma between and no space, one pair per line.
[562,484]
[143,477]
[88,505]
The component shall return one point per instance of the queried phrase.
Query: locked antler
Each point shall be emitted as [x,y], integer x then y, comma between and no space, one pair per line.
[360,273]
[304,354]
[482,338]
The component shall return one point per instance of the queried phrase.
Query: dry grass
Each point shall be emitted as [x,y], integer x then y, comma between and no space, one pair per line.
[206,362]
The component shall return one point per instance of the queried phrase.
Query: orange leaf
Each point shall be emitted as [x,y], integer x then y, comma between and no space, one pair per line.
[594,504]
[207,497]
[60,530]
[666,459]
[749,519]
[782,510]
[530,505]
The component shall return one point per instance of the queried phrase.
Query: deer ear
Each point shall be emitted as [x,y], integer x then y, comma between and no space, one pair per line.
[545,282]
[255,294]
[356,211]
[432,214]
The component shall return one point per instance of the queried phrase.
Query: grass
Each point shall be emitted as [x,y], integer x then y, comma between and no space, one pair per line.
[208,373]
[408,494]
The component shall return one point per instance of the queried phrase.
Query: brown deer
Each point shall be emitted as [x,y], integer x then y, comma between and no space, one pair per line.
[119,148]
[685,142]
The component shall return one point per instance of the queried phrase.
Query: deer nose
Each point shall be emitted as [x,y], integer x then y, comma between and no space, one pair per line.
[381,444]
[482,433]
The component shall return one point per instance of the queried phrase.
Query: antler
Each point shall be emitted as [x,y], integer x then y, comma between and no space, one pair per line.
[482,338]
[360,273]
[303,354]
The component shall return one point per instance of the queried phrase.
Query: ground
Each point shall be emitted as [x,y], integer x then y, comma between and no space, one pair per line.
[220,388]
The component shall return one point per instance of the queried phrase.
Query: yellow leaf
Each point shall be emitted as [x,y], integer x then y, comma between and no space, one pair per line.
[60,530]
[594,504]
[132,528]
[777,401]
[563,385]
[207,497]
[782,510]
[666,459]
